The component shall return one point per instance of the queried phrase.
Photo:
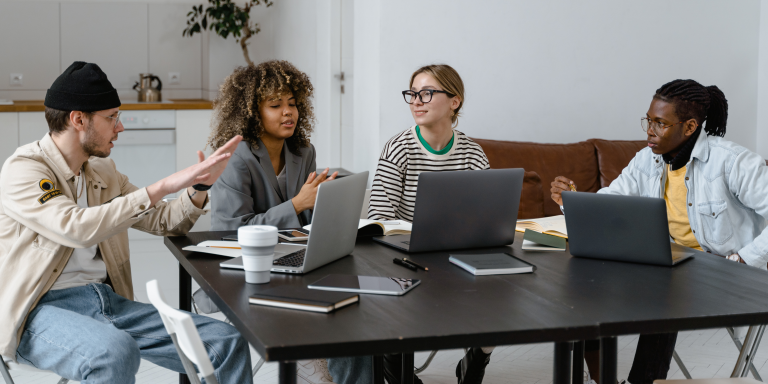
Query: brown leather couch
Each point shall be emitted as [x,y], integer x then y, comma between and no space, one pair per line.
[591,164]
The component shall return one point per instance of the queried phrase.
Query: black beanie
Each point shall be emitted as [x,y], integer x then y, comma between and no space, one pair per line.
[82,87]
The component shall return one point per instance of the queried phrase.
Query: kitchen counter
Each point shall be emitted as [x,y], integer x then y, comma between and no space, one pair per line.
[37,105]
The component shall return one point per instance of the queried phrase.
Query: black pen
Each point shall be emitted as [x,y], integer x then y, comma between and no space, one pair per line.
[411,262]
[404,264]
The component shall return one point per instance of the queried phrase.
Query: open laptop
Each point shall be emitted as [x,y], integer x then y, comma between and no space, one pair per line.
[334,228]
[462,209]
[621,228]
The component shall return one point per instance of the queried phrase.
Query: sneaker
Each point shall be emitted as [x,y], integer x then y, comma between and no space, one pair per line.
[313,372]
[471,368]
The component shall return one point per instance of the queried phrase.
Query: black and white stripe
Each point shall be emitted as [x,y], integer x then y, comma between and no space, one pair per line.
[403,159]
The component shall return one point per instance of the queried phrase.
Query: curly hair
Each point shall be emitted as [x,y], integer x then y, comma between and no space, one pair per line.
[236,108]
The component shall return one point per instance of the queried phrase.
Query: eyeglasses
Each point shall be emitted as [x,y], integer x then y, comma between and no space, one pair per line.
[656,127]
[425,95]
[117,119]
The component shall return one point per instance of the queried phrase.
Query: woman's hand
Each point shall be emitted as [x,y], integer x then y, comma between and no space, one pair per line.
[560,185]
[306,197]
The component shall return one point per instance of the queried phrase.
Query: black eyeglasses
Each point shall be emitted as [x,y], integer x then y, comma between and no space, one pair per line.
[425,95]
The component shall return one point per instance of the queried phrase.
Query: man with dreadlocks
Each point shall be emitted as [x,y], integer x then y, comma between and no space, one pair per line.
[716,193]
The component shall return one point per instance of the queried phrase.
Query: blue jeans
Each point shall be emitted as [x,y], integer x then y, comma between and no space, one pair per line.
[92,335]
[348,370]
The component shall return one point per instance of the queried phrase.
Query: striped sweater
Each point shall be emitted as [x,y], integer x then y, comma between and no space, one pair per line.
[401,162]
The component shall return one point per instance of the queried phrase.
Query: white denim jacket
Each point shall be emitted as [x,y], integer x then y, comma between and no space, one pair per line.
[727,195]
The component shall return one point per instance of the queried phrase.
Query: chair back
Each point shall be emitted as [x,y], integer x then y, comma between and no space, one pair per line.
[184,334]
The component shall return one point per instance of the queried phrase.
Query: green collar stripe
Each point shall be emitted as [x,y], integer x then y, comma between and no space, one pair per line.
[429,148]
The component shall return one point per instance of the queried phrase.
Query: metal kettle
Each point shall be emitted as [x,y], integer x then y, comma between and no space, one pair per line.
[148,93]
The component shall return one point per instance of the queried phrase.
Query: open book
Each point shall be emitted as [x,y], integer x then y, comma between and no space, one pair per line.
[553,225]
[379,227]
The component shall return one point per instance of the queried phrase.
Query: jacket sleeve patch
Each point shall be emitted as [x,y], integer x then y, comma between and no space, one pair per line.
[47,185]
[49,195]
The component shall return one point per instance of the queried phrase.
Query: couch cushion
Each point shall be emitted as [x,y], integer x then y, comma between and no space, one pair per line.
[531,200]
[577,161]
[613,156]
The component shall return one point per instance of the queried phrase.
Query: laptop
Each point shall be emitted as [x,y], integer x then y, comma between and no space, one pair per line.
[462,209]
[621,228]
[334,228]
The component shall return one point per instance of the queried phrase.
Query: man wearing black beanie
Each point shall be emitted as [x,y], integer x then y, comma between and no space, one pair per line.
[67,300]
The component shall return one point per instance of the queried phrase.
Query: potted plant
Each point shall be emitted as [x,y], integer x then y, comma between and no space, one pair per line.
[225,17]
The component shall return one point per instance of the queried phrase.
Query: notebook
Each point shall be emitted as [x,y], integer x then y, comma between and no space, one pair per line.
[379,227]
[302,298]
[553,225]
[536,241]
[492,264]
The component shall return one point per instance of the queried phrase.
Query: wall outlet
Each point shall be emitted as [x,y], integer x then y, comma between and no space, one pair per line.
[17,79]
[174,77]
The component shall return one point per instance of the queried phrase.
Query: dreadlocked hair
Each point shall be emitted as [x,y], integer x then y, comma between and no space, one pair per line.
[695,101]
[236,108]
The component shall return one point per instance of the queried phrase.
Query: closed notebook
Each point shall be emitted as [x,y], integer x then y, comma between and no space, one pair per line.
[535,241]
[305,299]
[492,264]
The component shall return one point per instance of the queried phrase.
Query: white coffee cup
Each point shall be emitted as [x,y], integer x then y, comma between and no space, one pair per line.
[258,245]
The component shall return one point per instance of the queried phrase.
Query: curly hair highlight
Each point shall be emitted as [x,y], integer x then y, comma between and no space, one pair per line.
[236,108]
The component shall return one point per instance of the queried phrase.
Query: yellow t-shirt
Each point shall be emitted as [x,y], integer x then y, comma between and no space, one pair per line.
[676,196]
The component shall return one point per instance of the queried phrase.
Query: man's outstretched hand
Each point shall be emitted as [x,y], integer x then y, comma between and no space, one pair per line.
[206,171]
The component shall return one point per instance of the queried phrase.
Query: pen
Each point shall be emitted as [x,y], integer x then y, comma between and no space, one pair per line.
[414,264]
[572,187]
[404,264]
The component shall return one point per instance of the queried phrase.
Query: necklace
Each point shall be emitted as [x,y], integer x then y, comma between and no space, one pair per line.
[79,184]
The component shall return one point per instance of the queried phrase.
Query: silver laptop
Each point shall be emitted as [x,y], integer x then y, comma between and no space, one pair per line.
[462,209]
[334,228]
[621,228]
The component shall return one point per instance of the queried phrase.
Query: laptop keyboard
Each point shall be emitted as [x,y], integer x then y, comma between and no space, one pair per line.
[295,259]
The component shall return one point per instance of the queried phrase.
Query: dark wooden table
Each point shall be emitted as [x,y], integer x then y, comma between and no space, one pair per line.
[567,299]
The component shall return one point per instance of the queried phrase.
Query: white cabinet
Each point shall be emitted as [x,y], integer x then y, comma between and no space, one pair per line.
[32,127]
[9,135]
[192,130]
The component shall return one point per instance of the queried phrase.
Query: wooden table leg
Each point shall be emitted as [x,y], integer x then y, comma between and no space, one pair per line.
[406,374]
[578,362]
[378,369]
[287,372]
[608,360]
[561,372]
[185,304]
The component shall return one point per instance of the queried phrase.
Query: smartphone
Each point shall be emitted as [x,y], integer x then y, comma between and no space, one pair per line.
[298,234]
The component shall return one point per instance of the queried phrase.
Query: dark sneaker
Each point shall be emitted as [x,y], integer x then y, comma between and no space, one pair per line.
[471,368]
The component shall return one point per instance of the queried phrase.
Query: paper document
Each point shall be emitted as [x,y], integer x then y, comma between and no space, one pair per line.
[228,252]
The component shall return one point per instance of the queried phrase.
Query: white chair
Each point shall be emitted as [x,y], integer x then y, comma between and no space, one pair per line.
[184,335]
[8,366]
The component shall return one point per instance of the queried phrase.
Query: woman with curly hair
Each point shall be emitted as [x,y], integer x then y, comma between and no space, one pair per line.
[271,178]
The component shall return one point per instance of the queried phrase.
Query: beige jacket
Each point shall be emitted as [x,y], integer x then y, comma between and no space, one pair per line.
[41,223]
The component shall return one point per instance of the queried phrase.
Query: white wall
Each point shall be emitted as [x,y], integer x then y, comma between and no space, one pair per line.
[555,71]
[762,81]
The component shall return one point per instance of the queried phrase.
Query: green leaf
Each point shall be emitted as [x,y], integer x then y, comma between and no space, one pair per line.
[205,22]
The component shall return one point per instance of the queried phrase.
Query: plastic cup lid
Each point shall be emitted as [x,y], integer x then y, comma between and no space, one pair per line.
[256,235]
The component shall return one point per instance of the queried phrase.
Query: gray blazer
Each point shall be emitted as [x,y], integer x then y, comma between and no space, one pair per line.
[246,193]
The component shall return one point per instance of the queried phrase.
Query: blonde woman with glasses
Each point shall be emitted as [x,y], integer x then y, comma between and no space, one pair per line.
[435,96]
